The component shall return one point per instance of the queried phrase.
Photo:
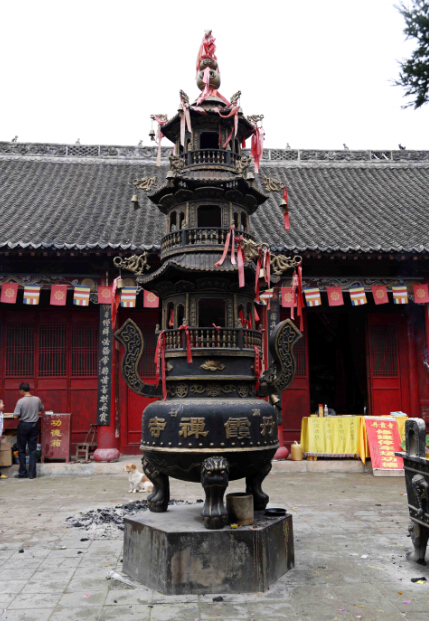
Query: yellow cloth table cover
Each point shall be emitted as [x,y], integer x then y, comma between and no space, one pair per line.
[339,436]
[342,436]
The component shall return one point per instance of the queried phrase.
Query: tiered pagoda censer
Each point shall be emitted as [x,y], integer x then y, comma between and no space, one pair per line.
[211,423]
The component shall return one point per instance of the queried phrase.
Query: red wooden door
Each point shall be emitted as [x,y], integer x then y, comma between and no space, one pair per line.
[131,404]
[296,398]
[387,364]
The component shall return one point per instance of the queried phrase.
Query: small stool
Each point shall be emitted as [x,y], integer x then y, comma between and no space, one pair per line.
[85,447]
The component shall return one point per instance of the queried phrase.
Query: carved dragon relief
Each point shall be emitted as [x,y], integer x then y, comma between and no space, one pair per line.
[282,371]
[132,340]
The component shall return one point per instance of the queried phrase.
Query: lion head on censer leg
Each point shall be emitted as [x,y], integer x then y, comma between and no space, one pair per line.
[214,479]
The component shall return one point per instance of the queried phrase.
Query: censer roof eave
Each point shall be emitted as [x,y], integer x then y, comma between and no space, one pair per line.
[171,129]
[193,263]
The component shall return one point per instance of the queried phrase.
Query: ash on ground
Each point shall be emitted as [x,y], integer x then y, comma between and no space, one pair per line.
[108,523]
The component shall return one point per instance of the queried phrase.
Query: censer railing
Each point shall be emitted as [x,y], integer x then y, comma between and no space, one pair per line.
[212,338]
[200,236]
[210,156]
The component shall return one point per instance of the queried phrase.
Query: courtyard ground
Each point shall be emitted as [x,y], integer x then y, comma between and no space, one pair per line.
[351,550]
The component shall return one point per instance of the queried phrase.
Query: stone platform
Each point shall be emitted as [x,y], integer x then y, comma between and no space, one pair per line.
[175,554]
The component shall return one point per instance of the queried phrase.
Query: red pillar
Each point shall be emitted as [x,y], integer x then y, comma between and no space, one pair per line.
[414,374]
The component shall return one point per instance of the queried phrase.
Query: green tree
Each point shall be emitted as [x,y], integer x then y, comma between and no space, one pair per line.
[414,73]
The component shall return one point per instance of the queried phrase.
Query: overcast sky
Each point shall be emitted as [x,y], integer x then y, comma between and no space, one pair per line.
[321,72]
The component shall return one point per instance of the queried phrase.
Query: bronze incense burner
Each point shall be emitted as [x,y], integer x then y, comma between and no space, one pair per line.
[211,423]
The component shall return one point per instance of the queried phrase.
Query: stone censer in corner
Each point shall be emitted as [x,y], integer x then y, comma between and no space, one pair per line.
[211,423]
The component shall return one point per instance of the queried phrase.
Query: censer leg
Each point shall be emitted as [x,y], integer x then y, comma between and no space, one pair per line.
[254,487]
[159,498]
[419,537]
[214,479]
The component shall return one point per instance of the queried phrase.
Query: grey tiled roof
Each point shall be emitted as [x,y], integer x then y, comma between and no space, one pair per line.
[54,196]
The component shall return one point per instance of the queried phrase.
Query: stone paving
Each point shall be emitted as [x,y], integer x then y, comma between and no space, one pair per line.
[350,546]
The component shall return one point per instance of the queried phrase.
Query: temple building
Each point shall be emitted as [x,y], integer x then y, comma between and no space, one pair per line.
[358,219]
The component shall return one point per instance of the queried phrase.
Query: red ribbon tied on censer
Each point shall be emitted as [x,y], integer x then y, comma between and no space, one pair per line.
[297,291]
[160,361]
[285,207]
[257,366]
[229,237]
[188,342]
[159,137]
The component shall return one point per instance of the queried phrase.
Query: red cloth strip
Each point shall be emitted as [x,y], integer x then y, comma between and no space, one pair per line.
[229,237]
[256,314]
[257,366]
[217,328]
[258,269]
[257,146]
[240,263]
[188,342]
[116,300]
[267,272]
[300,299]
[294,288]
[228,139]
[245,322]
[160,361]
[286,209]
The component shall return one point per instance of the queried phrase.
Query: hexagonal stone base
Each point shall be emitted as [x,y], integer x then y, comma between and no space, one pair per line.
[174,553]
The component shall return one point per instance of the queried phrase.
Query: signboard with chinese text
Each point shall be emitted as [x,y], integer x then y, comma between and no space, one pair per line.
[383,441]
[104,365]
[56,436]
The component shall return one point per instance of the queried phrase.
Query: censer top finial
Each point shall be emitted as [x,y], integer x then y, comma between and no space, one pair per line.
[208,74]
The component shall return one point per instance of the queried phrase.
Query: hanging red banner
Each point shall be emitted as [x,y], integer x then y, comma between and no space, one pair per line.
[379,293]
[383,441]
[58,295]
[421,294]
[335,296]
[9,291]
[288,297]
[105,295]
[150,300]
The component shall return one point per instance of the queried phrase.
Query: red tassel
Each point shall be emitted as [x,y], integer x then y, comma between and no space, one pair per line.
[171,322]
[243,143]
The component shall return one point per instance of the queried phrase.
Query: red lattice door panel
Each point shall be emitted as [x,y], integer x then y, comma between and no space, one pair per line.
[387,365]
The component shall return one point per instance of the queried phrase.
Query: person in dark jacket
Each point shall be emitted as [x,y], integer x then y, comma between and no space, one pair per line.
[27,411]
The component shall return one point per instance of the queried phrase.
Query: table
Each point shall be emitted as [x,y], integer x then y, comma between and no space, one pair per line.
[339,436]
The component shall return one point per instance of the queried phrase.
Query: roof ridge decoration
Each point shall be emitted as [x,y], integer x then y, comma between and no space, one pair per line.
[87,152]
